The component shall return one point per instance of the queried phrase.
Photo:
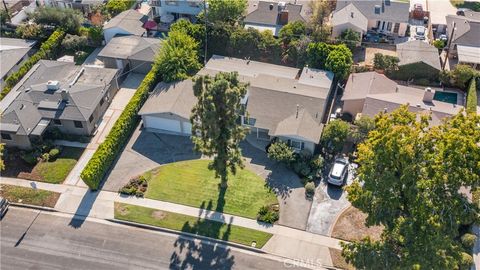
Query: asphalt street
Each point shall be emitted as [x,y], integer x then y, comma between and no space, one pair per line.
[33,240]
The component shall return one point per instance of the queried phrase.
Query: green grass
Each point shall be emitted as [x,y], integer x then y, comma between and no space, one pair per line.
[191,183]
[56,171]
[475,6]
[472,97]
[29,196]
[190,224]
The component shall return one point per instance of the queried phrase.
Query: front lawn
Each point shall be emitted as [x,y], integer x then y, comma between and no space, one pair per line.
[189,224]
[29,195]
[191,183]
[56,171]
[350,226]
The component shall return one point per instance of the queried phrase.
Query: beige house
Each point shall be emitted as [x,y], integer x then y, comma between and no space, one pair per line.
[369,93]
[282,102]
[385,16]
[56,94]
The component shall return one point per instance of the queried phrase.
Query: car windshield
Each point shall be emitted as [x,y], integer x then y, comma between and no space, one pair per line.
[337,169]
[420,30]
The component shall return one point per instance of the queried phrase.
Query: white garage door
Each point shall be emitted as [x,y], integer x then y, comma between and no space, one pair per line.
[187,128]
[162,123]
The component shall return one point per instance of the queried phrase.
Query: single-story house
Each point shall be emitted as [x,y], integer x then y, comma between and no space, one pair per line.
[13,52]
[369,93]
[130,53]
[281,102]
[129,22]
[418,60]
[57,94]
[273,16]
[465,39]
[386,16]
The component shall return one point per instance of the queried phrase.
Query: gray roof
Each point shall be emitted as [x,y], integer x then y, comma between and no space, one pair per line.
[130,20]
[84,86]
[275,95]
[359,85]
[131,47]
[350,14]
[391,11]
[268,13]
[12,50]
[467,30]
[416,51]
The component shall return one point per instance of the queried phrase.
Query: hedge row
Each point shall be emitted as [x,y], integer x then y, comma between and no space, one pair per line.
[472,96]
[48,50]
[104,156]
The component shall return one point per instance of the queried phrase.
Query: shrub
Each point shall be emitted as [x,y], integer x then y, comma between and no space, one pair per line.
[472,97]
[80,57]
[53,153]
[466,261]
[45,157]
[29,158]
[30,31]
[66,18]
[334,135]
[281,152]
[47,50]
[310,189]
[459,76]
[439,44]
[268,214]
[74,42]
[387,63]
[136,186]
[105,154]
[468,240]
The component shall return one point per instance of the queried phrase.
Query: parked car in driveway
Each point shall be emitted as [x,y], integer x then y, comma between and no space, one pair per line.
[420,33]
[3,206]
[338,172]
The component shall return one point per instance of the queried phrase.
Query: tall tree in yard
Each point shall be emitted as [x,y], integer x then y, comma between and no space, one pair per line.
[408,181]
[226,10]
[216,131]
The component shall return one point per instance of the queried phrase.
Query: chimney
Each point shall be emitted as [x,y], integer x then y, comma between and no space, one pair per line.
[283,17]
[428,95]
[64,94]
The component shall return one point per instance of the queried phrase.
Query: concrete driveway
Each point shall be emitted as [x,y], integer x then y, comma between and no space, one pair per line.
[146,151]
[328,203]
[294,207]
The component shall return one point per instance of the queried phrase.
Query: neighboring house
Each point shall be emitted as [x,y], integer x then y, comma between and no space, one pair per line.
[281,102]
[176,9]
[369,93]
[129,22]
[273,16]
[18,10]
[13,52]
[418,60]
[83,5]
[465,39]
[386,16]
[57,94]
[130,53]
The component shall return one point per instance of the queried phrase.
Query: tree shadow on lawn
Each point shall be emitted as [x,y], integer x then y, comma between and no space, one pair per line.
[280,179]
[204,254]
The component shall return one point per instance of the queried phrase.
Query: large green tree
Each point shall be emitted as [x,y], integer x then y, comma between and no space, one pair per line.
[178,58]
[230,11]
[114,7]
[216,131]
[339,61]
[292,31]
[409,180]
[334,135]
[69,19]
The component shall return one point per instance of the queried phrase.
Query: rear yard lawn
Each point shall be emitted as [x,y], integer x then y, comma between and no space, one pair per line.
[191,183]
[189,224]
[29,195]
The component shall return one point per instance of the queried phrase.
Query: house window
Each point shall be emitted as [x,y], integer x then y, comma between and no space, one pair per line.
[172,3]
[91,118]
[249,121]
[396,28]
[157,3]
[6,136]
[57,122]
[296,144]
[193,4]
[78,124]
[389,26]
[378,24]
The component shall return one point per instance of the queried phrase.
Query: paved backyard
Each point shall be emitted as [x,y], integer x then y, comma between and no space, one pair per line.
[328,204]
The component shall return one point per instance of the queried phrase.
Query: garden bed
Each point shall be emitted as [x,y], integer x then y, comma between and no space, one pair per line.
[192,183]
[26,195]
[350,226]
[189,224]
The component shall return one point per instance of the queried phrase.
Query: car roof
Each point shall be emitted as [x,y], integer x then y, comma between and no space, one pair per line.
[338,168]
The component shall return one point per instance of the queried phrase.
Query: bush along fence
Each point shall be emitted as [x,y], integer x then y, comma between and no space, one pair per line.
[48,50]
[103,158]
[472,96]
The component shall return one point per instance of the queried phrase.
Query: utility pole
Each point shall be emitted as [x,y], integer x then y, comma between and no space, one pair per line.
[206,31]
[454,26]
[6,10]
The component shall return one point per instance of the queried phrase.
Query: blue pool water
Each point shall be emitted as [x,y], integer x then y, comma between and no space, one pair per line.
[448,97]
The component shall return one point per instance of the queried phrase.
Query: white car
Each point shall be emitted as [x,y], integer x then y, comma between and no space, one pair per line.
[420,33]
[338,172]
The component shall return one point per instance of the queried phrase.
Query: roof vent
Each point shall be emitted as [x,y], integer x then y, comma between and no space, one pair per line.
[419,106]
[271,6]
[377,9]
[53,85]
[22,106]
[385,109]
[64,94]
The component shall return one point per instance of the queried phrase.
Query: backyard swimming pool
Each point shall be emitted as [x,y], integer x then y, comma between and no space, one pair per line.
[449,97]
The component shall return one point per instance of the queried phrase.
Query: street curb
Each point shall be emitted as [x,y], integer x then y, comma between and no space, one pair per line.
[191,235]
[330,231]
[35,207]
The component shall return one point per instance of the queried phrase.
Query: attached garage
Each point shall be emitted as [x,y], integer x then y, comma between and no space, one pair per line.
[162,123]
